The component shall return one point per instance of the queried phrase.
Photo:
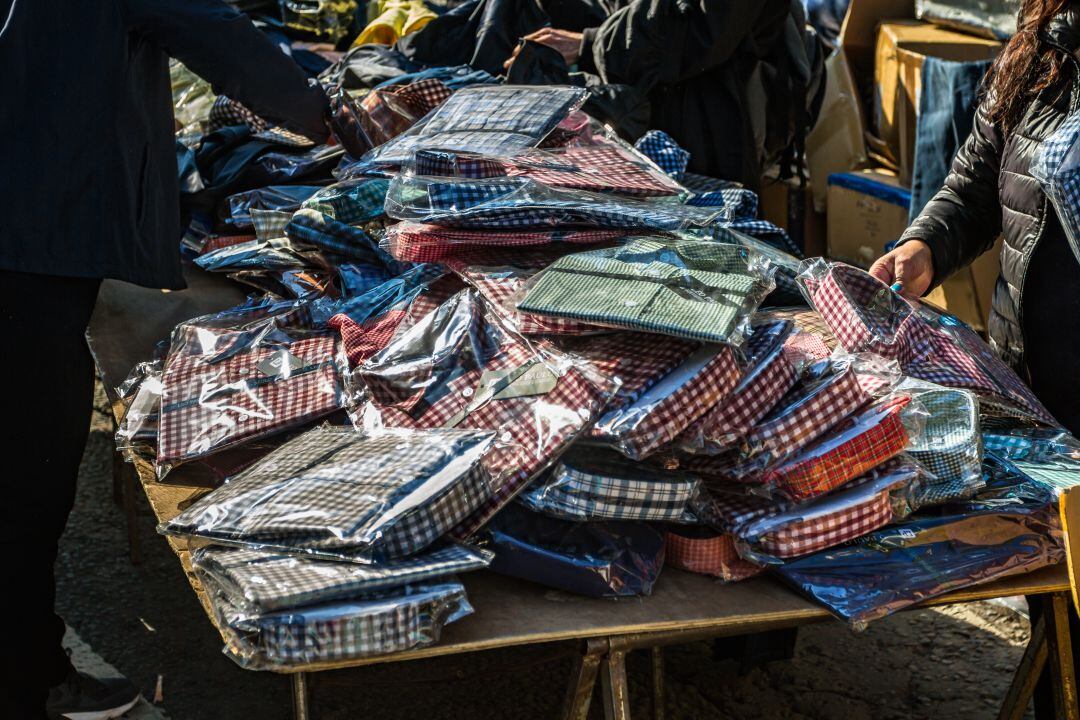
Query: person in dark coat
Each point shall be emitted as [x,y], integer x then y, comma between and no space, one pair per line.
[88,190]
[1033,85]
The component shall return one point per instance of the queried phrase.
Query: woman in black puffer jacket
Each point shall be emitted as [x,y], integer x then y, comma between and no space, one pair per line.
[1035,320]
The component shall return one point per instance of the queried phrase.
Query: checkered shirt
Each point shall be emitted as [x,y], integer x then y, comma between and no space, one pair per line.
[256,581]
[499,287]
[447,164]
[585,488]
[361,340]
[351,201]
[516,202]
[333,492]
[1055,167]
[693,290]
[495,120]
[394,109]
[600,168]
[394,621]
[312,227]
[857,445]
[950,444]
[636,360]
[269,224]
[803,538]
[662,149]
[804,415]
[416,242]
[866,316]
[218,242]
[533,430]
[767,379]
[728,510]
[226,112]
[672,404]
[210,403]
[711,554]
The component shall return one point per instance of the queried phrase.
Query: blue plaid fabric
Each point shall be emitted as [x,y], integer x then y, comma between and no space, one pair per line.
[323,231]
[1057,168]
[351,201]
[494,120]
[662,149]
[509,204]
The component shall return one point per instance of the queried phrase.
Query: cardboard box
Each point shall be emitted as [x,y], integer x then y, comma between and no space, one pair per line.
[777,198]
[867,209]
[902,47]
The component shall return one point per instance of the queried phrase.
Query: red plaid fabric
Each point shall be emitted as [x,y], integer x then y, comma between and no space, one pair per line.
[217,242]
[807,414]
[802,348]
[208,404]
[362,340]
[499,286]
[390,111]
[637,360]
[659,423]
[866,316]
[416,242]
[533,430]
[814,534]
[600,168]
[715,556]
[427,302]
[856,446]
[807,321]
[733,417]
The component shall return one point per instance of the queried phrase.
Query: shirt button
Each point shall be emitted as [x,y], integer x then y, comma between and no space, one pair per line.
[467,392]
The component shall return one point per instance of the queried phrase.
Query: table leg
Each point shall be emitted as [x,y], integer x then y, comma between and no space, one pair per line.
[658,682]
[301,694]
[613,682]
[583,679]
[1027,675]
[1059,652]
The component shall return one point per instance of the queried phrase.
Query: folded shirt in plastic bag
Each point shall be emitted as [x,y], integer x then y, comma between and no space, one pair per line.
[697,290]
[390,110]
[274,197]
[460,367]
[497,120]
[597,559]
[419,242]
[591,484]
[640,428]
[351,201]
[767,378]
[866,316]
[1011,527]
[950,444]
[229,379]
[1049,458]
[1057,168]
[393,621]
[339,493]
[881,496]
[521,202]
[256,581]
[705,551]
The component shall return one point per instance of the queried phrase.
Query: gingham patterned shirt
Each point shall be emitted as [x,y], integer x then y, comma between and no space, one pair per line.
[338,493]
[418,242]
[707,552]
[351,202]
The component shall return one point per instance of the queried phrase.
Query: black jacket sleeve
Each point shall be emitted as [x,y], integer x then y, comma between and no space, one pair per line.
[653,42]
[222,46]
[962,221]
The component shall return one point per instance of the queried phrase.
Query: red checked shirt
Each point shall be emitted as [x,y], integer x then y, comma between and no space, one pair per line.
[707,554]
[458,367]
[418,242]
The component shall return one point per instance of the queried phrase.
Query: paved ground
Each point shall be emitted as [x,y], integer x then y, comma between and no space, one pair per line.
[951,664]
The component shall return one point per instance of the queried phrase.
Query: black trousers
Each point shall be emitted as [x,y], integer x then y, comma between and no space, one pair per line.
[48,384]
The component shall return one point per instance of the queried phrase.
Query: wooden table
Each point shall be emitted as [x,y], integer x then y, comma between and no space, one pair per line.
[511,613]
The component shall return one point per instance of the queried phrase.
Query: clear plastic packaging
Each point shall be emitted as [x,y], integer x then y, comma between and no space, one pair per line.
[140,394]
[275,254]
[994,19]
[767,378]
[192,99]
[1057,168]
[289,284]
[1011,527]
[596,559]
[642,427]
[1048,457]
[390,110]
[877,498]
[521,202]
[591,484]
[328,20]
[459,366]
[280,198]
[245,374]
[390,622]
[417,242]
[696,290]
[867,316]
[256,581]
[705,551]
[496,120]
[338,493]
[950,444]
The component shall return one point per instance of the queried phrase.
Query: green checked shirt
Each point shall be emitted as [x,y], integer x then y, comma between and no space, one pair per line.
[693,289]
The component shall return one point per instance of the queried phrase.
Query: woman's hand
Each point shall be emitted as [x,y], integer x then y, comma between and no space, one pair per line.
[567,43]
[911,264]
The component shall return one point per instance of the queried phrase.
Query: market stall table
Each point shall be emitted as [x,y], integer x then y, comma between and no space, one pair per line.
[684,607]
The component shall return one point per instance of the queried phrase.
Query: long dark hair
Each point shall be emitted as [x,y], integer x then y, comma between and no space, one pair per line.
[1025,66]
